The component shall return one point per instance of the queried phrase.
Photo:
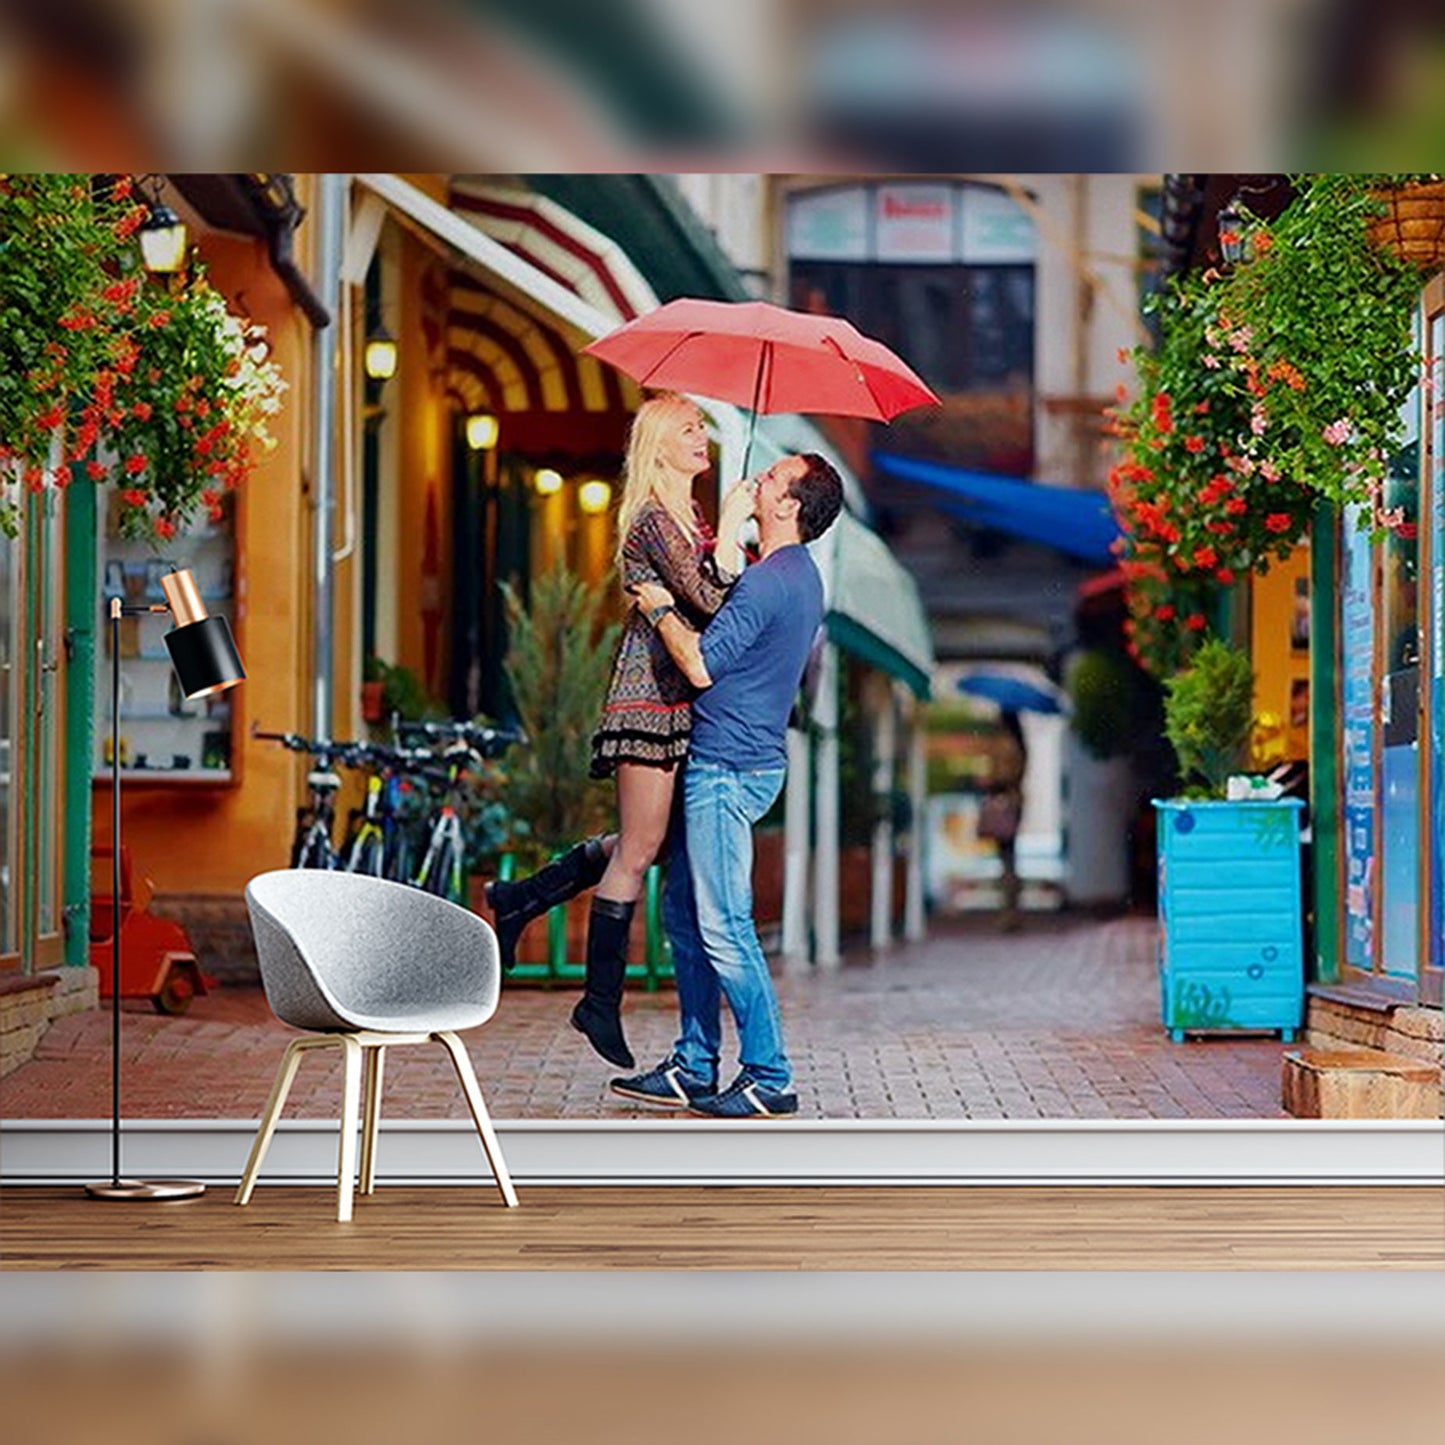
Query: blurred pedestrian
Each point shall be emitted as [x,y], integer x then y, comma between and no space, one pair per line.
[1002,809]
[647,715]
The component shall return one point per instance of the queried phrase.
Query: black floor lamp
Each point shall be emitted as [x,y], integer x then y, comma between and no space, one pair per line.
[204,656]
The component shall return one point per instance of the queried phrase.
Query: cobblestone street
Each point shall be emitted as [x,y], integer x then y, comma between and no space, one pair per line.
[1060,1021]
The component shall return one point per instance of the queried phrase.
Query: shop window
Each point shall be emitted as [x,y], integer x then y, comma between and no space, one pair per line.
[163,736]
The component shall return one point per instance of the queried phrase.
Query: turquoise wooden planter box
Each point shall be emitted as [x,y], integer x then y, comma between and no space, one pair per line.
[1230,919]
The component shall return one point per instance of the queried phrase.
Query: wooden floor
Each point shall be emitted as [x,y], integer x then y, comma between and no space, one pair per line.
[735,1228]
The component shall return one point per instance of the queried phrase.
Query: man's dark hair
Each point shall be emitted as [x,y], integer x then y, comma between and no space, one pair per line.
[819,492]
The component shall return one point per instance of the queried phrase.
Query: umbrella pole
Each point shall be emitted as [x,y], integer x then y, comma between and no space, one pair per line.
[764,357]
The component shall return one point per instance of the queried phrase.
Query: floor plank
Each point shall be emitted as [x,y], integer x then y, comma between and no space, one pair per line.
[736,1228]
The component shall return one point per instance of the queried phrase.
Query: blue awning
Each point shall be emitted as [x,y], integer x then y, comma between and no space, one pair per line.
[1078,523]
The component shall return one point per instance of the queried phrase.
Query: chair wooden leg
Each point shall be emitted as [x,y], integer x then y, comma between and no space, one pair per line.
[285,1076]
[480,1117]
[350,1099]
[371,1116]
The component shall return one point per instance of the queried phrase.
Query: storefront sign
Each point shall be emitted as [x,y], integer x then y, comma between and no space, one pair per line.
[829,225]
[996,230]
[914,223]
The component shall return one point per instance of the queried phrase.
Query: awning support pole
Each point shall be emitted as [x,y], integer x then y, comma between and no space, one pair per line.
[826,952]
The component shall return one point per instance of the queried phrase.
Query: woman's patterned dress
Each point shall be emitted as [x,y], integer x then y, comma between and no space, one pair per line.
[648,712]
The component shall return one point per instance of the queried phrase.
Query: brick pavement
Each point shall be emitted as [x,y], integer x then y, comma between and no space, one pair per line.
[1058,1022]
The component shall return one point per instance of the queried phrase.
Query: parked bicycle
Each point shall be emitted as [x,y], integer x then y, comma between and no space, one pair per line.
[311,845]
[466,748]
[381,836]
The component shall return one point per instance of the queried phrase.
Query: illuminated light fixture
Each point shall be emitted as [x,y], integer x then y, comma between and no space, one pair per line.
[1234,244]
[547,482]
[481,431]
[380,355]
[594,497]
[163,240]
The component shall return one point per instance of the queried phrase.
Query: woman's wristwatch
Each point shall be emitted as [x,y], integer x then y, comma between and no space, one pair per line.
[656,614]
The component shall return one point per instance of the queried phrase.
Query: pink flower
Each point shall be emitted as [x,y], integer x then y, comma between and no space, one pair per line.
[1337,433]
[1258,421]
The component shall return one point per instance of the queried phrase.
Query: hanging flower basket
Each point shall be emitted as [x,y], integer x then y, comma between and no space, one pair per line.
[1412,226]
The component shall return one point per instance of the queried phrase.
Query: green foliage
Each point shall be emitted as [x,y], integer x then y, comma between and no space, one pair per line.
[1320,321]
[1103,689]
[1209,715]
[558,663]
[1272,388]
[110,374]
[402,693]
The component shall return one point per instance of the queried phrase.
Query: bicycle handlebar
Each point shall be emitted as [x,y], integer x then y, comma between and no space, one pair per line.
[490,742]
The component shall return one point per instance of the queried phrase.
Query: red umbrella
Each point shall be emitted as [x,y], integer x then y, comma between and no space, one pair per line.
[764,358]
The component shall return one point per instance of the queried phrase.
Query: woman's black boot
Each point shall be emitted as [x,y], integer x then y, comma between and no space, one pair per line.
[599,1011]
[515,904]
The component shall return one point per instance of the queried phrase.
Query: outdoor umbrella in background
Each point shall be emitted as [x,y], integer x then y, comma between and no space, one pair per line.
[763,357]
[1012,694]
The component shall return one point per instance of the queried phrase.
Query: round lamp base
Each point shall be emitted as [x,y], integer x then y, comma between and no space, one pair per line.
[156,1189]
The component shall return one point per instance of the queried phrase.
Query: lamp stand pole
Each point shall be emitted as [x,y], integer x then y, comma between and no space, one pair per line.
[116,1187]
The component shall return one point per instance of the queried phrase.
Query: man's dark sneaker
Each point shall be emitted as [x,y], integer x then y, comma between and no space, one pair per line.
[745,1098]
[667,1085]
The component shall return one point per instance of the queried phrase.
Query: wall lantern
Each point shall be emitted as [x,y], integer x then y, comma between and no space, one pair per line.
[163,240]
[481,431]
[547,482]
[594,497]
[380,356]
[1233,235]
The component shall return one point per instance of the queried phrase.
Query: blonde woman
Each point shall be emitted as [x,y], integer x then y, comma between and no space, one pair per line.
[647,716]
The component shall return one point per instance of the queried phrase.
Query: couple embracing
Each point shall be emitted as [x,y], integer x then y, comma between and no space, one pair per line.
[694,732]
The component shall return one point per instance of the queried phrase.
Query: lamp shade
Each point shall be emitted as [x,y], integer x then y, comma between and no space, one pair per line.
[481,431]
[163,238]
[202,650]
[204,656]
[380,356]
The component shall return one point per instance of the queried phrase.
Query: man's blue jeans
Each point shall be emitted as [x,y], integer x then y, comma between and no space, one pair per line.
[707,909]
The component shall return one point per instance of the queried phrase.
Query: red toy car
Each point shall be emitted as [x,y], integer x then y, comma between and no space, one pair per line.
[156,958]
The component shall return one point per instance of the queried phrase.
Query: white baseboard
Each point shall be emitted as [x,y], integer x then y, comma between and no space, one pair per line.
[695,1151]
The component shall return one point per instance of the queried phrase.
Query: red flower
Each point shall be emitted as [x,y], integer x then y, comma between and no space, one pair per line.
[165,528]
[97,471]
[157,319]
[1236,506]
[1164,612]
[1194,444]
[141,411]
[130,223]
[1223,574]
[135,465]
[134,497]
[121,292]
[1205,557]
[120,191]
[1278,522]
[49,420]
[62,475]
[1195,622]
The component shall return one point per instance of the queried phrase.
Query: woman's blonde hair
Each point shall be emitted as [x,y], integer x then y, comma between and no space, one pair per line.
[643,468]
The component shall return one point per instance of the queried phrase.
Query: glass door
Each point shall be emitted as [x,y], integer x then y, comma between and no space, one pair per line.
[1432,950]
[10,649]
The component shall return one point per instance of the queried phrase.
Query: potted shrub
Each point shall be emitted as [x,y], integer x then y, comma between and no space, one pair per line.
[559,658]
[1230,913]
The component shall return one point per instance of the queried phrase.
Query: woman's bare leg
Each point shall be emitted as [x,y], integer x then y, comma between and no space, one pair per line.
[644,808]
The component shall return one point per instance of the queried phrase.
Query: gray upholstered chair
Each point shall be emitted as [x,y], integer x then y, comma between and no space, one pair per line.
[364,965]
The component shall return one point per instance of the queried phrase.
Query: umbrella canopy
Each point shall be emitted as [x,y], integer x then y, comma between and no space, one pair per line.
[1012,694]
[765,358]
